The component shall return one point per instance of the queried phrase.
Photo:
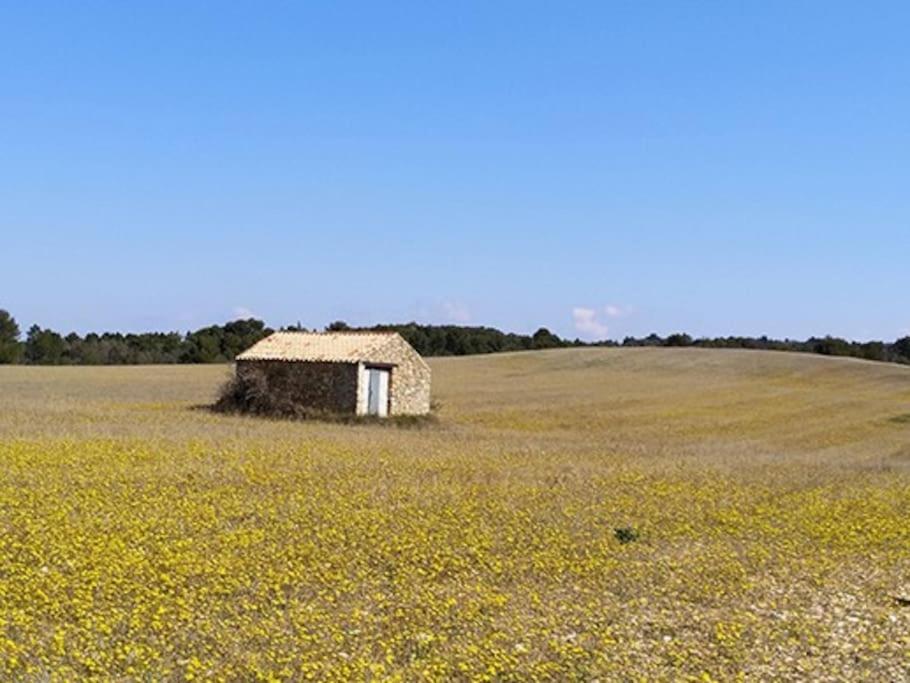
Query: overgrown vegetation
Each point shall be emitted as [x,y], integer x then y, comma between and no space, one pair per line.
[250,394]
[221,343]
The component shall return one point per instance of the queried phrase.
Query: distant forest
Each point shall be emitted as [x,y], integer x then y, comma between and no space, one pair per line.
[221,343]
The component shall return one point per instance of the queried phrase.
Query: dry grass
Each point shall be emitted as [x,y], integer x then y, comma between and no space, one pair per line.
[140,538]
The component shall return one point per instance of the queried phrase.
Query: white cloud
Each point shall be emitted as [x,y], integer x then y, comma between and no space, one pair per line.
[456,312]
[243,313]
[586,322]
[615,311]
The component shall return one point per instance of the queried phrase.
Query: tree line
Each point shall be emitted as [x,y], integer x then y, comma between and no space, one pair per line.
[453,340]
[897,352]
[221,343]
[457,340]
[213,344]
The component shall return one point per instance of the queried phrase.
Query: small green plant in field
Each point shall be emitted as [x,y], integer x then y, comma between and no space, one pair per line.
[626,534]
[901,419]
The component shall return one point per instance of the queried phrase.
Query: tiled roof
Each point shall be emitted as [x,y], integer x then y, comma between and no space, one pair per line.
[334,347]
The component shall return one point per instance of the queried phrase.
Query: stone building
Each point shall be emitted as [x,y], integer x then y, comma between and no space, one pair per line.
[362,373]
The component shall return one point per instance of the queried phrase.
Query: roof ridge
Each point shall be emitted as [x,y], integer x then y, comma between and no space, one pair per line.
[338,332]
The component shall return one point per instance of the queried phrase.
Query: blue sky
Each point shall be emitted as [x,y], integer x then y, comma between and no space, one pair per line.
[602,168]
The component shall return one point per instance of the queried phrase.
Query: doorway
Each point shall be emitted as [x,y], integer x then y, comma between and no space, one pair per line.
[378,392]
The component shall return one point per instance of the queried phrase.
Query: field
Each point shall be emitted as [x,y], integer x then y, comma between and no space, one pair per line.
[590,514]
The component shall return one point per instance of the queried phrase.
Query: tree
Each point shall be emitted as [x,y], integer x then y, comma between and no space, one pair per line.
[337,326]
[217,344]
[10,348]
[204,346]
[902,349]
[678,339]
[239,335]
[653,339]
[44,347]
[873,350]
[544,339]
[830,346]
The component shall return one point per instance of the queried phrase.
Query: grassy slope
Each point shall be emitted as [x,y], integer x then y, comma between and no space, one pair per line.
[734,408]
[771,492]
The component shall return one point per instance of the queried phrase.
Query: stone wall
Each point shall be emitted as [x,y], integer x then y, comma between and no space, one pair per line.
[330,387]
[334,387]
[410,387]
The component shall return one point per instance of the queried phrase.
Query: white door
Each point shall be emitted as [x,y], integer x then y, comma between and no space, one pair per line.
[378,397]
